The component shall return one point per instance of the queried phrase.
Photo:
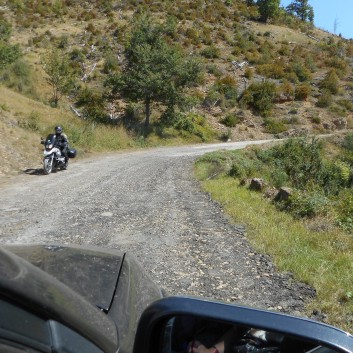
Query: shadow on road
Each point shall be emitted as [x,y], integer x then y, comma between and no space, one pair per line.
[30,171]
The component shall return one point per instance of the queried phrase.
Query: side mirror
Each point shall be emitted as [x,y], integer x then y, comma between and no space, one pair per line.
[42,141]
[173,324]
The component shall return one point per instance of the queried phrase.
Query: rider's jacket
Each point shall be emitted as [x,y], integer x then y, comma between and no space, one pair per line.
[61,141]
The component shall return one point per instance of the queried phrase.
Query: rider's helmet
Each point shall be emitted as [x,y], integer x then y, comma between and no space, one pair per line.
[58,130]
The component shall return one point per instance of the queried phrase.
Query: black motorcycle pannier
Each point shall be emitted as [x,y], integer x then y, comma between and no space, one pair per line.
[71,153]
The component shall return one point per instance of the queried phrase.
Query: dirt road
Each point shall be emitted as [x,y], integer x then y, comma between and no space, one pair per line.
[147,203]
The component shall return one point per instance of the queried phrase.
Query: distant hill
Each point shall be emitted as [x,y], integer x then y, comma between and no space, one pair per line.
[283,77]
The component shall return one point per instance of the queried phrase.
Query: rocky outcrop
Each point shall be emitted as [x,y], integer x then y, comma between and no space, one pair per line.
[257,184]
[283,194]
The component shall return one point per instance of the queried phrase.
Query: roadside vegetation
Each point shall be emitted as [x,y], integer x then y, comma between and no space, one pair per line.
[309,233]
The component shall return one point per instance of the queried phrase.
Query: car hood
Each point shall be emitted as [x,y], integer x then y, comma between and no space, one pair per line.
[91,272]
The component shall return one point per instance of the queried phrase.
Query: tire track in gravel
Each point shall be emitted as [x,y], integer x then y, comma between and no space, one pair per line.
[148,204]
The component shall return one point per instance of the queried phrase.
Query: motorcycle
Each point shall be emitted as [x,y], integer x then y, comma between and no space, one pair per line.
[53,158]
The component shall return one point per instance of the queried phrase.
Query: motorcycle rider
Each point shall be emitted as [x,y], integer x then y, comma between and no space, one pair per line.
[61,142]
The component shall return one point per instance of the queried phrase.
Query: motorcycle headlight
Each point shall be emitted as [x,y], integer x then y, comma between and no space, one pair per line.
[50,146]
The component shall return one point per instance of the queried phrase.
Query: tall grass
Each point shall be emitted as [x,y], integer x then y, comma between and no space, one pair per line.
[322,259]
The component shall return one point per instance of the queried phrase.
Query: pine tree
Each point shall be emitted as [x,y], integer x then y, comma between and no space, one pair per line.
[268,9]
[302,9]
[60,77]
[154,71]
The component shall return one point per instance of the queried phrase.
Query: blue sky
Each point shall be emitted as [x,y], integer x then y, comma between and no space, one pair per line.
[327,13]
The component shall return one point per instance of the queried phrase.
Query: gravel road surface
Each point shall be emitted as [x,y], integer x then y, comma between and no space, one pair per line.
[148,203]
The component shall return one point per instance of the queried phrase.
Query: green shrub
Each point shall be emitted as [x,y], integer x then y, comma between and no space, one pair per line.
[211,52]
[212,98]
[330,82]
[5,30]
[237,171]
[214,70]
[334,176]
[267,51]
[338,110]
[302,92]
[301,71]
[260,97]
[249,73]
[287,89]
[185,123]
[325,99]
[223,93]
[227,87]
[4,107]
[214,163]
[316,119]
[21,69]
[273,126]
[193,34]
[339,65]
[348,142]
[345,172]
[188,102]
[226,136]
[242,168]
[272,70]
[194,124]
[93,105]
[231,120]
[291,77]
[77,55]
[18,76]
[305,204]
[111,63]
[300,159]
[346,103]
[31,123]
[9,54]
[284,49]
[344,210]
[205,36]
[294,119]
[134,112]
[63,42]
[279,178]
[310,63]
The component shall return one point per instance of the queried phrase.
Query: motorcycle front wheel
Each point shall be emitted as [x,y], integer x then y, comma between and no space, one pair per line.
[47,165]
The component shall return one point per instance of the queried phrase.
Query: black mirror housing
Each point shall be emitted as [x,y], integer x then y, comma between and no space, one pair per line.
[153,326]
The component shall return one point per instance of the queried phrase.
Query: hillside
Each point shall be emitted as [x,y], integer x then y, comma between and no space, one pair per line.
[280,78]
